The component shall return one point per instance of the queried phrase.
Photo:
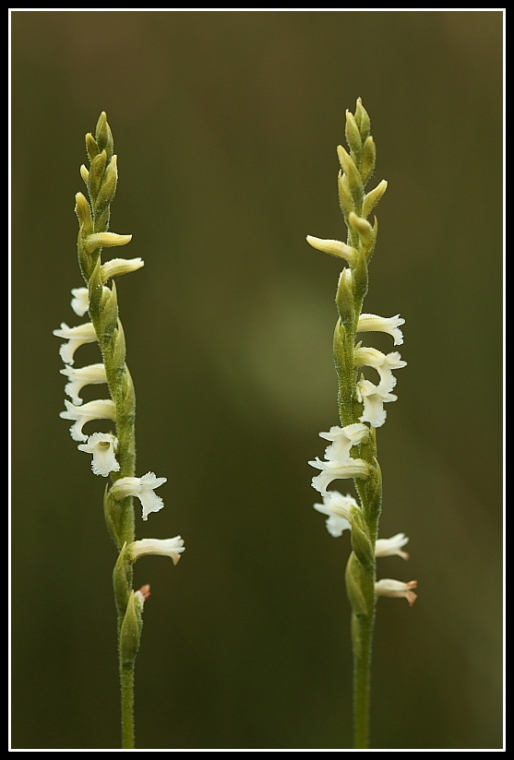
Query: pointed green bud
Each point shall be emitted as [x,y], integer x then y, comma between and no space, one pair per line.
[121,577]
[95,287]
[120,349]
[113,516]
[109,312]
[374,491]
[353,137]
[345,298]
[91,147]
[105,240]
[96,173]
[373,240]
[361,543]
[361,226]
[130,634]
[362,120]
[360,279]
[83,211]
[354,177]
[104,135]
[373,197]
[339,346]
[84,173]
[345,197]
[107,190]
[369,156]
[355,587]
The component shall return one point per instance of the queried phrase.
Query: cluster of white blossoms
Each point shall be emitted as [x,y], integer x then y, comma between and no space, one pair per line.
[338,463]
[340,511]
[104,446]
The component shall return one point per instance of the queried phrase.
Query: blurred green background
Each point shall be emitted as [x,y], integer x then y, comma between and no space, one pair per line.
[226,126]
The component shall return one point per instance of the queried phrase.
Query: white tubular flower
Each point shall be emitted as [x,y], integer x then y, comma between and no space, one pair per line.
[143,488]
[339,510]
[373,399]
[103,447]
[391,325]
[383,363]
[116,267]
[76,336]
[386,547]
[93,410]
[334,248]
[351,468]
[343,440]
[80,301]
[390,587]
[169,547]
[92,374]
[105,240]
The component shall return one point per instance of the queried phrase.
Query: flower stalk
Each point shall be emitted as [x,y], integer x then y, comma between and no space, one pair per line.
[113,453]
[353,452]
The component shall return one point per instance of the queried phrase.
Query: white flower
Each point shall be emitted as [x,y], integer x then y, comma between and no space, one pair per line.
[93,410]
[351,468]
[76,336]
[339,510]
[390,587]
[386,547]
[105,240]
[391,325]
[116,267]
[143,488]
[334,248]
[169,547]
[373,399]
[92,374]
[383,363]
[103,447]
[343,440]
[80,301]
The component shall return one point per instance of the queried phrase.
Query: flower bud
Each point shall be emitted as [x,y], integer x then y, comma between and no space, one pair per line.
[334,248]
[130,634]
[83,211]
[369,155]
[373,197]
[105,240]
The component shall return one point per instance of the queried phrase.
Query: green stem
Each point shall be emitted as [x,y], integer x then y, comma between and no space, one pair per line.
[362,635]
[127,705]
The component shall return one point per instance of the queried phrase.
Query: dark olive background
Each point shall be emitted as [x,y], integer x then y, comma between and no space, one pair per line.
[226,126]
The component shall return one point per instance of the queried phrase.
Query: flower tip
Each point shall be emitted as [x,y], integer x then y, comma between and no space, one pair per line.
[145,591]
